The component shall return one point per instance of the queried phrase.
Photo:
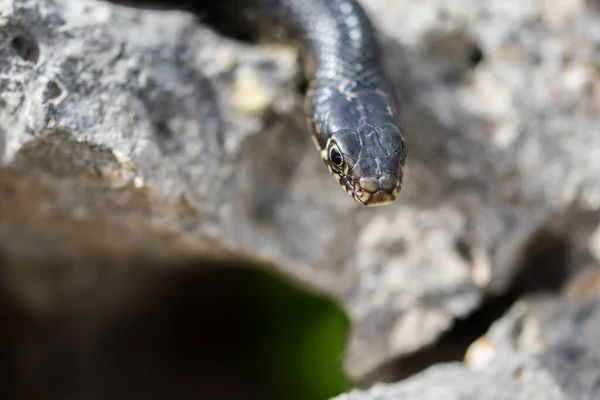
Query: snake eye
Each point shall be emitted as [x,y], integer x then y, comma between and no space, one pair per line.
[335,157]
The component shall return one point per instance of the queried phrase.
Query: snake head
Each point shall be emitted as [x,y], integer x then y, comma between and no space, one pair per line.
[368,162]
[362,145]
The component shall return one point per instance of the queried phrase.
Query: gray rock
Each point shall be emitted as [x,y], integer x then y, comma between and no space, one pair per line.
[544,348]
[501,148]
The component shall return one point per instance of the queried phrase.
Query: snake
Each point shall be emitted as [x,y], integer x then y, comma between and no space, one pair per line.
[351,110]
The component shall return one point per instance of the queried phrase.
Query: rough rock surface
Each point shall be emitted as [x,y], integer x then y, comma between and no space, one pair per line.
[501,105]
[544,348]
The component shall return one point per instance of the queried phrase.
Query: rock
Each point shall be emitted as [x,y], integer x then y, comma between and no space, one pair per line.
[544,348]
[138,324]
[499,102]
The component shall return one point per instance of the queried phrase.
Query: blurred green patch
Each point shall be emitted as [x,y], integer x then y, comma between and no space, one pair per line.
[299,338]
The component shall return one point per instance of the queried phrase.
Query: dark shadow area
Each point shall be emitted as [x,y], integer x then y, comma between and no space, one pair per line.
[26,47]
[15,338]
[454,54]
[593,5]
[222,16]
[204,329]
[545,268]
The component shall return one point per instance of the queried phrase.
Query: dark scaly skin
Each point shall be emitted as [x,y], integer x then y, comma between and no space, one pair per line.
[349,105]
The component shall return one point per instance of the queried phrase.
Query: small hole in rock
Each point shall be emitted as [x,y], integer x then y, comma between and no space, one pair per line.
[303,85]
[162,130]
[26,48]
[476,56]
[454,54]
[463,248]
[52,91]
[165,139]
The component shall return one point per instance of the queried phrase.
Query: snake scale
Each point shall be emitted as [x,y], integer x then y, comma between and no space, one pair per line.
[350,107]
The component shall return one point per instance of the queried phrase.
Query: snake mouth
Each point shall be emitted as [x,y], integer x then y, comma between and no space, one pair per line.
[372,192]
[379,198]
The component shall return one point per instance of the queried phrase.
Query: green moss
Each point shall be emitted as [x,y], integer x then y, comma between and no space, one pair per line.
[299,338]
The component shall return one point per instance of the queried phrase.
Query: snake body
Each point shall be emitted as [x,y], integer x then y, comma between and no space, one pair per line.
[350,108]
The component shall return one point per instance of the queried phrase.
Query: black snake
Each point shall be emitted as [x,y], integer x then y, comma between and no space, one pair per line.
[350,107]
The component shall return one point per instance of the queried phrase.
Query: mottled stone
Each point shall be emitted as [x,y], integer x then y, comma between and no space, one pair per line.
[500,103]
[544,348]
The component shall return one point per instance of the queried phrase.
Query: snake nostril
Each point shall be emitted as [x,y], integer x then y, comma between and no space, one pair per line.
[369,184]
[387,183]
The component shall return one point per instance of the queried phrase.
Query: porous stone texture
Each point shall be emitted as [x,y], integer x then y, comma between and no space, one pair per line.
[544,348]
[500,103]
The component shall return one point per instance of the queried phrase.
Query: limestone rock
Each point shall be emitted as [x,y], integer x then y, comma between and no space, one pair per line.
[500,103]
[544,348]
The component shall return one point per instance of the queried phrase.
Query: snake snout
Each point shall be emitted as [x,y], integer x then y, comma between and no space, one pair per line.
[372,191]
[376,180]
